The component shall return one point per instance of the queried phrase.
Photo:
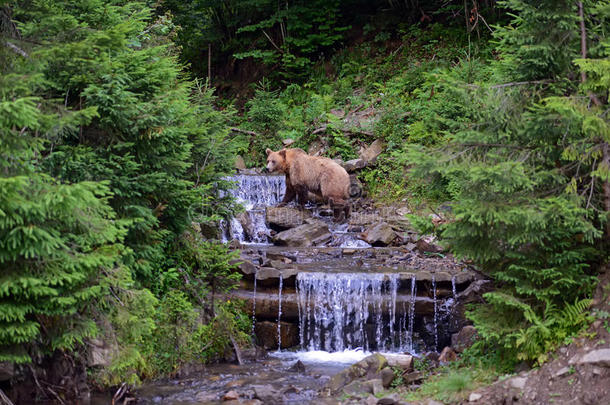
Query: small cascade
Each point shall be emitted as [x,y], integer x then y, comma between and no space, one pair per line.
[339,311]
[254,308]
[435,314]
[254,192]
[412,313]
[279,316]
[453,290]
[393,290]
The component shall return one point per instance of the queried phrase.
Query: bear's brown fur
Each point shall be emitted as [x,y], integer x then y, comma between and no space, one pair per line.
[319,175]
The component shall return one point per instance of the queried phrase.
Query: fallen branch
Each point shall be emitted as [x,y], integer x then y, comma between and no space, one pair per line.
[237,351]
[243,131]
[323,128]
[4,399]
[16,49]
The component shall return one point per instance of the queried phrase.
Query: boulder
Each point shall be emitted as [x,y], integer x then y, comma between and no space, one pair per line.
[518,382]
[297,367]
[599,357]
[426,247]
[464,338]
[447,355]
[380,234]
[403,361]
[209,230]
[355,186]
[304,235]
[240,164]
[387,376]
[285,217]
[267,394]
[368,367]
[371,153]
[100,353]
[246,267]
[354,164]
[317,147]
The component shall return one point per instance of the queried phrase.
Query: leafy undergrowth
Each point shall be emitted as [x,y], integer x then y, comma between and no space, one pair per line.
[452,383]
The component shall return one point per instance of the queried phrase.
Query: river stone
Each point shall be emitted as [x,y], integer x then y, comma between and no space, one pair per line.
[475,396]
[230,396]
[368,367]
[447,355]
[266,393]
[380,234]
[371,153]
[206,396]
[285,217]
[297,367]
[303,235]
[464,338]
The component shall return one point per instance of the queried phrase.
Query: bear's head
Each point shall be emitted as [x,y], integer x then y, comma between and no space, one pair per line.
[276,161]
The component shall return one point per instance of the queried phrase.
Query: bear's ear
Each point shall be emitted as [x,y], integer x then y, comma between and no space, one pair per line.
[283,153]
[268,151]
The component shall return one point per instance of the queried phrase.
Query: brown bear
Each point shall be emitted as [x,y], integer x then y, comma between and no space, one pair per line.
[318,175]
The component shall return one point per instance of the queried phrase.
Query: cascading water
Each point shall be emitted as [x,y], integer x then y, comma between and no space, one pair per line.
[435,315]
[453,290]
[338,311]
[254,192]
[412,313]
[254,309]
[279,316]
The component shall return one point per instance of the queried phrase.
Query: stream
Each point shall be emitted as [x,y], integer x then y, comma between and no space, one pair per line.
[320,302]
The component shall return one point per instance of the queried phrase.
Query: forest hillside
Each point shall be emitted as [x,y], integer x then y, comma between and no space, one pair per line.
[482,126]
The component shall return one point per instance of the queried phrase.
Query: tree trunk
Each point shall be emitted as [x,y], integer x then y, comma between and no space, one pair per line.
[583,39]
[210,64]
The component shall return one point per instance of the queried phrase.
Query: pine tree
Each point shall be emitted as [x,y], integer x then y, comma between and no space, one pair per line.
[56,240]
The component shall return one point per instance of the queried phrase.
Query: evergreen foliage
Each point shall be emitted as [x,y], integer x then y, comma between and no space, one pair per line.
[524,176]
[107,155]
[56,240]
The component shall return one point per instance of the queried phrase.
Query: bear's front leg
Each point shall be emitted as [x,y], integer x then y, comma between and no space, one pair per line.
[289,195]
[302,196]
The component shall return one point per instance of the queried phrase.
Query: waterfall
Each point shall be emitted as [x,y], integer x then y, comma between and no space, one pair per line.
[254,308]
[393,291]
[435,315]
[412,313]
[453,290]
[254,193]
[279,316]
[336,308]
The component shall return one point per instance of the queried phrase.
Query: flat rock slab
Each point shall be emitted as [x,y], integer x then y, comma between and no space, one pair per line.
[599,357]
[303,235]
[286,217]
